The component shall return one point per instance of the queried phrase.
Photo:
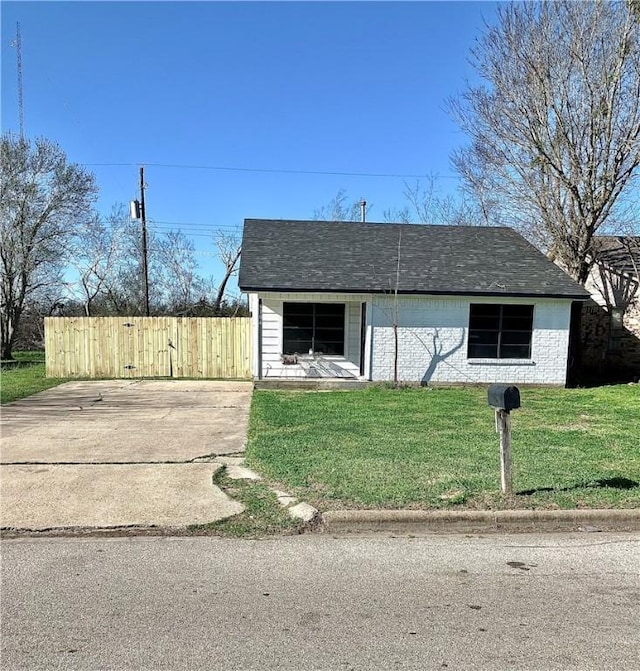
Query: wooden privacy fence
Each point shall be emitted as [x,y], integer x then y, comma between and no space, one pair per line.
[128,347]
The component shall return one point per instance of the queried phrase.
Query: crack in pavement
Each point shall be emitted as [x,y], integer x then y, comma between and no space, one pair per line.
[205,458]
[94,463]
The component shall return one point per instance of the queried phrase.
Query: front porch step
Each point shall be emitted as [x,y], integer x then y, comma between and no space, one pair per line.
[310,384]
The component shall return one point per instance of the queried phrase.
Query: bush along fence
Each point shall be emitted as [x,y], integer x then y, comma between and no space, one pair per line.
[133,347]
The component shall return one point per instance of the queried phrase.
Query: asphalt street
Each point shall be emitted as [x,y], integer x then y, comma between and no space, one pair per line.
[563,601]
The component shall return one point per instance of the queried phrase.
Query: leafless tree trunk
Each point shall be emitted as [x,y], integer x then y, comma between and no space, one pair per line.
[229,249]
[555,132]
[395,313]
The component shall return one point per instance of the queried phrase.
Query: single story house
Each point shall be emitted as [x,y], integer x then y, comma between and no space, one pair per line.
[449,304]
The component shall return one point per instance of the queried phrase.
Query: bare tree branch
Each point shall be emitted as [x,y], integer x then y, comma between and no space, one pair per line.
[340,208]
[555,131]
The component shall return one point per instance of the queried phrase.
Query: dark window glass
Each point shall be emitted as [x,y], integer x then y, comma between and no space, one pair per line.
[299,321]
[313,326]
[500,331]
[484,337]
[482,352]
[515,352]
[515,338]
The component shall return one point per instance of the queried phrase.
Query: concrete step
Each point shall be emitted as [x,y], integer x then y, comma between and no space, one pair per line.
[307,384]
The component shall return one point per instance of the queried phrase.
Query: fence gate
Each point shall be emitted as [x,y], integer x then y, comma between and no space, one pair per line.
[131,347]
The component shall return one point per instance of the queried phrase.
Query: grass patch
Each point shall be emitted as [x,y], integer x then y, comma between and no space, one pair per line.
[25,377]
[437,448]
[263,515]
[27,357]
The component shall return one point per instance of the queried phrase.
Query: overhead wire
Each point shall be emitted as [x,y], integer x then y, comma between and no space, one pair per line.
[195,224]
[198,232]
[285,171]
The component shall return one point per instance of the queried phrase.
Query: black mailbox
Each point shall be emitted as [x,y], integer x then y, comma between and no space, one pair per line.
[503,396]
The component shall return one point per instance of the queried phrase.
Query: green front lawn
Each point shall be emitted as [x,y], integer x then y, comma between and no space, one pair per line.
[437,448]
[25,378]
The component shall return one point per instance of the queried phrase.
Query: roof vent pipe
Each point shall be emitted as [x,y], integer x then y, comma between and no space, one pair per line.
[363,210]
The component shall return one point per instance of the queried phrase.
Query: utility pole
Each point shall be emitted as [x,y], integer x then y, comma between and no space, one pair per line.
[145,268]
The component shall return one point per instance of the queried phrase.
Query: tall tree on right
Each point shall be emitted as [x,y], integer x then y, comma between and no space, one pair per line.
[554,128]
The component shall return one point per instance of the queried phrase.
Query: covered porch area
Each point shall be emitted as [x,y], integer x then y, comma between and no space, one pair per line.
[310,336]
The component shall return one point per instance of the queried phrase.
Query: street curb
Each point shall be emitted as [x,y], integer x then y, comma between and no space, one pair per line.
[479,521]
[391,521]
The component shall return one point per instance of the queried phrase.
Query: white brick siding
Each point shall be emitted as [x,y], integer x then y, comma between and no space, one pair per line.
[432,339]
[432,342]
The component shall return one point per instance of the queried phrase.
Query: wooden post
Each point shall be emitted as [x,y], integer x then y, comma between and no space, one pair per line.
[145,255]
[503,425]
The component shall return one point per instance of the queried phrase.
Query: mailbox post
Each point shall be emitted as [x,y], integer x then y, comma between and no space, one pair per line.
[503,399]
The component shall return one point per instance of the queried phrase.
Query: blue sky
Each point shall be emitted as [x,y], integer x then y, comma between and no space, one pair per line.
[338,87]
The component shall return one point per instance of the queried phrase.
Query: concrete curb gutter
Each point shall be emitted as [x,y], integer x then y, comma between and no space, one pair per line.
[479,521]
[391,521]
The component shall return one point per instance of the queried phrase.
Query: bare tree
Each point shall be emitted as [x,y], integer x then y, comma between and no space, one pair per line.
[424,200]
[427,205]
[120,281]
[98,250]
[179,284]
[108,262]
[43,198]
[555,130]
[229,249]
[340,208]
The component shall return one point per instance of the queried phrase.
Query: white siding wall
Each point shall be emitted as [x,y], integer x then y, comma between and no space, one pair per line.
[433,342]
[272,332]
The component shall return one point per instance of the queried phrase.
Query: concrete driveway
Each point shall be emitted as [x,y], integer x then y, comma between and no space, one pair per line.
[120,453]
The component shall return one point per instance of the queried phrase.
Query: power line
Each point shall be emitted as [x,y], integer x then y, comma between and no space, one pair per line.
[213,227]
[197,252]
[275,170]
[200,233]
[189,235]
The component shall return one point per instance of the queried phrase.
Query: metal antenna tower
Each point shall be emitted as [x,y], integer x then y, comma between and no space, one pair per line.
[17,43]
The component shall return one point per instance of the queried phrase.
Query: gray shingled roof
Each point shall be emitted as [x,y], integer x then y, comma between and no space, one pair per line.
[280,255]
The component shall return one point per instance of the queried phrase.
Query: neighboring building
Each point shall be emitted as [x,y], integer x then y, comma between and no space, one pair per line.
[610,325]
[464,304]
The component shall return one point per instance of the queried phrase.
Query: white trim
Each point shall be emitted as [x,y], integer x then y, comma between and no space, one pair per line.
[368,340]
